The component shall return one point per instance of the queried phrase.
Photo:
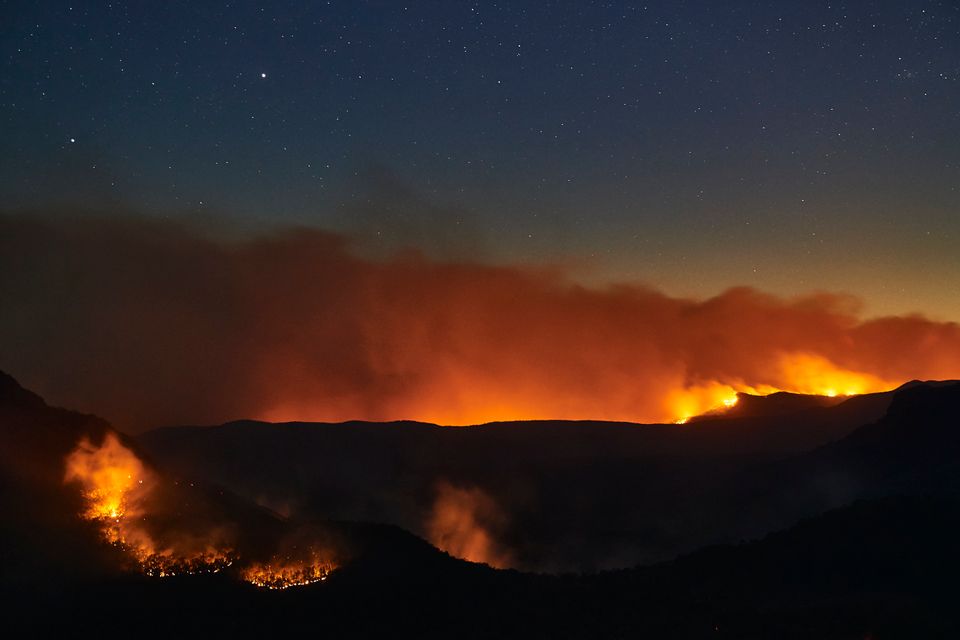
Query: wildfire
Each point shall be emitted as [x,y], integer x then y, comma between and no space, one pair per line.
[168,563]
[675,397]
[120,495]
[286,572]
[116,487]
[814,374]
[804,373]
[114,484]
[683,404]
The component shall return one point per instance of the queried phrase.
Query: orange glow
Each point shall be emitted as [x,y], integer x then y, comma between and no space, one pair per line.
[114,483]
[814,374]
[684,404]
[307,328]
[462,524]
[117,488]
[286,572]
[803,373]
[794,372]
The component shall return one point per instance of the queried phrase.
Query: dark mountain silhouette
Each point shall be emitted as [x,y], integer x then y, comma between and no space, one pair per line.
[776,404]
[882,566]
[575,495]
[911,450]
[35,440]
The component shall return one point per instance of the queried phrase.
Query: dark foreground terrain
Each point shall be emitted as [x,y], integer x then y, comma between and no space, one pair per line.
[862,496]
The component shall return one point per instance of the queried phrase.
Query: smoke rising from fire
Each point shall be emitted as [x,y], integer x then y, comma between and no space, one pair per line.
[465,522]
[114,481]
[161,535]
[118,489]
[148,322]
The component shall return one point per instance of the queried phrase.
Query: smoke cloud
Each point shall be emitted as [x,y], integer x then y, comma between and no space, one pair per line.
[466,523]
[150,322]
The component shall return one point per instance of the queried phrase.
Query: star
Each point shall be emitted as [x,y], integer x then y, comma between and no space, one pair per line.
[263,75]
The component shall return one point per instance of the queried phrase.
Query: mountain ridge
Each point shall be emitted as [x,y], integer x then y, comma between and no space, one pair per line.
[881,566]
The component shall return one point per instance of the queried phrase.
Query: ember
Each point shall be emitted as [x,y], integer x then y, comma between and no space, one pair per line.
[283,573]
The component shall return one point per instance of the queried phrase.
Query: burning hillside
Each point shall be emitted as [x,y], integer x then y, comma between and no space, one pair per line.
[125,498]
[287,571]
[118,489]
[799,372]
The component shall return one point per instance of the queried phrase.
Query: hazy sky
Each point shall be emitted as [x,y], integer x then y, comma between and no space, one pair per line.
[789,146]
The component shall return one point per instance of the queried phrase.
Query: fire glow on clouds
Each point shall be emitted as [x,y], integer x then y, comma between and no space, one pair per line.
[147,322]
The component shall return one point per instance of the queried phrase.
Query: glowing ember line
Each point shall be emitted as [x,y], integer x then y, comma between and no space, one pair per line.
[283,574]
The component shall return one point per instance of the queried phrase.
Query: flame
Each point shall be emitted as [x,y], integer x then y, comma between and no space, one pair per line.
[119,490]
[116,487]
[461,525]
[286,572]
[814,374]
[168,563]
[684,404]
[114,484]
[796,372]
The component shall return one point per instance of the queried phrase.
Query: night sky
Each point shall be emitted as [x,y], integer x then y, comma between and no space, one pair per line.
[690,145]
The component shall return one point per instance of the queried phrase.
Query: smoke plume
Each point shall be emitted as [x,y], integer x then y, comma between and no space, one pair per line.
[149,322]
[466,523]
